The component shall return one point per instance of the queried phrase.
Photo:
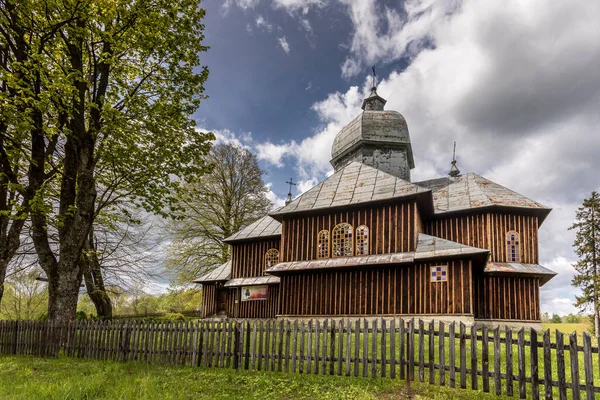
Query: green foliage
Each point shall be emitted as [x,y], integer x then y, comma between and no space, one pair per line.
[25,297]
[81,316]
[587,248]
[215,207]
[572,319]
[138,303]
[556,319]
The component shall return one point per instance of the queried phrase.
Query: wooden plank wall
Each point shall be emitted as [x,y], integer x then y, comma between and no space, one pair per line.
[488,231]
[256,308]
[248,259]
[507,297]
[401,290]
[209,299]
[393,229]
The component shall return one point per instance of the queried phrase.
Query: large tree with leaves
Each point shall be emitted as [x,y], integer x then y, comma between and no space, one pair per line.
[95,89]
[587,248]
[214,208]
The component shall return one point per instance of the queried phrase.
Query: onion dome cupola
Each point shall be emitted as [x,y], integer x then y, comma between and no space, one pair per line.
[377,138]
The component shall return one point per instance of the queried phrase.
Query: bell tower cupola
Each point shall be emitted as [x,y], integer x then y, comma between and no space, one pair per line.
[377,138]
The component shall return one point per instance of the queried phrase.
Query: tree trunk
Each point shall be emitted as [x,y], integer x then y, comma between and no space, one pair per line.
[94,283]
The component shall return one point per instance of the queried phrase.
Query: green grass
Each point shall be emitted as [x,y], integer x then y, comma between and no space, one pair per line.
[23,377]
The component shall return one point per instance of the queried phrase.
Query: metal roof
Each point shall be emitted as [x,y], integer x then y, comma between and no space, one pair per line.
[342,262]
[433,247]
[525,269]
[221,273]
[263,227]
[354,184]
[261,280]
[470,191]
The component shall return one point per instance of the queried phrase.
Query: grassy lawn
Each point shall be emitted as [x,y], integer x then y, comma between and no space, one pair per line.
[23,377]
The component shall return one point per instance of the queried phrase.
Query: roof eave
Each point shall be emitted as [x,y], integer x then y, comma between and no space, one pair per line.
[231,240]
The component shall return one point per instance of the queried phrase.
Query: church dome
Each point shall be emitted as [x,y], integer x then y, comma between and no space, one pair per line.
[375,137]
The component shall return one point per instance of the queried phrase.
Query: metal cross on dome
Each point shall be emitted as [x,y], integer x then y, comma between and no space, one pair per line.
[291,182]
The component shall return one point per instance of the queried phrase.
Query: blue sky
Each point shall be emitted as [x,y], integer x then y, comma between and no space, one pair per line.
[515,83]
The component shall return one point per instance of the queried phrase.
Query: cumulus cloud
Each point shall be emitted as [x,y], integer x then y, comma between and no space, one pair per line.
[283,43]
[298,5]
[243,4]
[276,200]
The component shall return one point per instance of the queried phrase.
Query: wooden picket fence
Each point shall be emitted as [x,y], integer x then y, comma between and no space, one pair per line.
[406,349]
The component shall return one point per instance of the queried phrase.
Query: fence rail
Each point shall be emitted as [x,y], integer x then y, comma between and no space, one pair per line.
[523,363]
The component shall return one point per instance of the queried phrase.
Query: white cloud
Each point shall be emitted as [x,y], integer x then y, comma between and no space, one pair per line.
[243,4]
[298,5]
[285,46]
[262,23]
[242,139]
[276,200]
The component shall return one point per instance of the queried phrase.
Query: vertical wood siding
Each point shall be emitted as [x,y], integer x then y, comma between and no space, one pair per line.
[507,297]
[209,300]
[393,229]
[248,259]
[402,290]
[253,309]
[488,231]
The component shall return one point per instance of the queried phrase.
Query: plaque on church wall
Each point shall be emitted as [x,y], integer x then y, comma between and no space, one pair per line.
[254,293]
[439,273]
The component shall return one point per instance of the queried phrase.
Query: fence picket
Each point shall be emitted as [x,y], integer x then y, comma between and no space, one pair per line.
[309,348]
[374,349]
[421,352]
[317,346]
[332,348]
[348,348]
[287,346]
[302,337]
[340,347]
[452,361]
[560,365]
[401,349]
[533,358]
[393,348]
[324,348]
[294,345]
[441,342]
[574,366]
[587,363]
[521,361]
[474,385]
[463,357]
[365,348]
[431,357]
[547,365]
[356,346]
[509,364]
[410,350]
[485,359]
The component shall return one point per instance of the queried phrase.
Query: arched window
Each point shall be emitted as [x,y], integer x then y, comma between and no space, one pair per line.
[323,244]
[512,246]
[271,258]
[342,240]
[362,241]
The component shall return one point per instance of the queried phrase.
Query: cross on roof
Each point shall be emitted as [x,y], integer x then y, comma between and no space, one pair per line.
[291,182]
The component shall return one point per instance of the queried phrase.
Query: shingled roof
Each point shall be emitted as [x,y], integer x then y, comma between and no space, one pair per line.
[471,191]
[354,184]
[543,273]
[261,228]
[221,273]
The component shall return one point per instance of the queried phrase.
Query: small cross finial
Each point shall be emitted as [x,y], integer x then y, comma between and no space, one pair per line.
[374,82]
[289,196]
[454,171]
[291,183]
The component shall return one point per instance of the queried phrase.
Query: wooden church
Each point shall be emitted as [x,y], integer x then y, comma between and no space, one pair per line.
[368,242]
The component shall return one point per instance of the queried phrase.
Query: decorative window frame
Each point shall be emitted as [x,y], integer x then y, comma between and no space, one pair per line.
[326,243]
[362,236]
[513,246]
[269,259]
[347,241]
